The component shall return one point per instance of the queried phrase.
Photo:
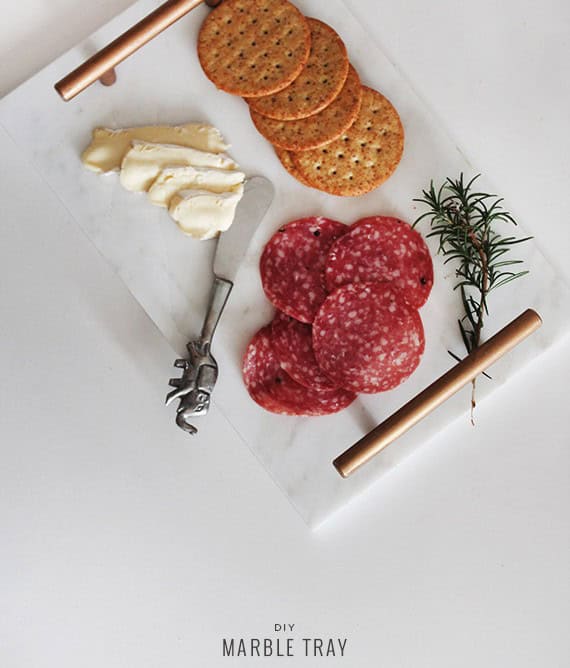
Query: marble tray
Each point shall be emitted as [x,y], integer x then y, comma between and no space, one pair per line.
[169,274]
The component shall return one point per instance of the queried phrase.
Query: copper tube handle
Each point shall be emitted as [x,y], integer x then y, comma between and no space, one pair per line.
[125,45]
[436,393]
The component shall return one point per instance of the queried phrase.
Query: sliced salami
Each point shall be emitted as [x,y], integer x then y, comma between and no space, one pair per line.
[380,248]
[293,262]
[366,338]
[273,389]
[293,345]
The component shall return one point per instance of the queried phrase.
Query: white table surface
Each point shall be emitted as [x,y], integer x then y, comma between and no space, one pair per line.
[124,544]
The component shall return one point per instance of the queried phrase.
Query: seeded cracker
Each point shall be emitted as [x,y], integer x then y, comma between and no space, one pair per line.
[363,157]
[320,81]
[287,161]
[254,47]
[318,129]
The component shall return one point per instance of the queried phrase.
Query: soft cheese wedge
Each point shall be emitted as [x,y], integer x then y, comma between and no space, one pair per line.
[145,160]
[195,211]
[108,147]
[174,179]
[182,168]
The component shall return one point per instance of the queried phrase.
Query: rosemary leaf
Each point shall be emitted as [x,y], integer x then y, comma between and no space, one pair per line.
[465,222]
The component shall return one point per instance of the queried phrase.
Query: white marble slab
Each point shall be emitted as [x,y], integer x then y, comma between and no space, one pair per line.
[169,275]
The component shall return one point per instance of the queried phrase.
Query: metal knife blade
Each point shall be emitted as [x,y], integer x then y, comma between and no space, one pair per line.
[232,245]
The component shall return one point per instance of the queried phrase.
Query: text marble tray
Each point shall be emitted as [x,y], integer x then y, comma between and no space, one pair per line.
[170,275]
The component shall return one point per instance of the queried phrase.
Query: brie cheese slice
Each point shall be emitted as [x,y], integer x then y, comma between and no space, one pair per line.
[174,179]
[203,214]
[145,160]
[108,147]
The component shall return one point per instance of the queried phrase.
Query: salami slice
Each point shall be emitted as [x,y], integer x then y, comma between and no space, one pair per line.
[380,248]
[293,345]
[292,265]
[366,338]
[273,389]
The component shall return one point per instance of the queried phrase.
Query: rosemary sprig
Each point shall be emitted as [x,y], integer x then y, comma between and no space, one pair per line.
[464,220]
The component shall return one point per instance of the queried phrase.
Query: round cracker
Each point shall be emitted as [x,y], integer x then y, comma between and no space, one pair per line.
[254,47]
[320,81]
[287,161]
[363,157]
[320,128]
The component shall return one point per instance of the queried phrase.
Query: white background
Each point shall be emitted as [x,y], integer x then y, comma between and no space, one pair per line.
[123,543]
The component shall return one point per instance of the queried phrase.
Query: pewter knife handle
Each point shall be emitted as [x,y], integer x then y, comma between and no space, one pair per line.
[218,297]
[195,388]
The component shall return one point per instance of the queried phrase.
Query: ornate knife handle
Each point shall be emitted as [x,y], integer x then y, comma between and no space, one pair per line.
[200,369]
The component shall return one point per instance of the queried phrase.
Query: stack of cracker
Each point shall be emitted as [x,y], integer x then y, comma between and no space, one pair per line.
[329,131]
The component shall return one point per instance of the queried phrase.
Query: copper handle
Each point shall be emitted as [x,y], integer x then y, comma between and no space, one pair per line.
[121,48]
[436,393]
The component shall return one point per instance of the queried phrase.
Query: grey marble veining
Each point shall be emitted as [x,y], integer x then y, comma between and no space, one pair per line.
[165,271]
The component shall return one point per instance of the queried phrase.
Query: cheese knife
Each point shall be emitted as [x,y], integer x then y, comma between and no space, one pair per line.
[200,369]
